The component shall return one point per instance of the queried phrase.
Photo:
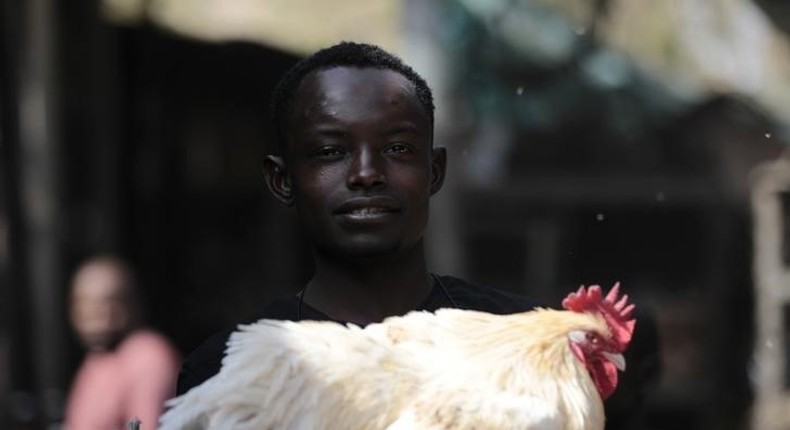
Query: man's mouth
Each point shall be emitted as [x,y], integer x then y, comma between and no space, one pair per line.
[367,208]
[368,211]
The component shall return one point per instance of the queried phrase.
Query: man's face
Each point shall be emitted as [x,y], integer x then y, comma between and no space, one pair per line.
[360,161]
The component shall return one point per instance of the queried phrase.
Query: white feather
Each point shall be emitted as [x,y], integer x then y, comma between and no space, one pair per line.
[454,369]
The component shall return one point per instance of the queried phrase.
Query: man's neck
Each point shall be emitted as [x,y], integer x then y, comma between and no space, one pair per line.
[368,290]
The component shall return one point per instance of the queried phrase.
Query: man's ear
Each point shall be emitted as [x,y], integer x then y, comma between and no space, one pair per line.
[277,179]
[438,168]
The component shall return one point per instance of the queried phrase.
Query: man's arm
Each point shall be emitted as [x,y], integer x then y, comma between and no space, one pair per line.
[206,361]
[202,363]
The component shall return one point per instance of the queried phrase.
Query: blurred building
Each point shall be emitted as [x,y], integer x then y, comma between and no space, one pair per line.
[593,159]
[590,142]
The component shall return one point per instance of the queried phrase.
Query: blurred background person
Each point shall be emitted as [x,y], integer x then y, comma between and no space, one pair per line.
[129,370]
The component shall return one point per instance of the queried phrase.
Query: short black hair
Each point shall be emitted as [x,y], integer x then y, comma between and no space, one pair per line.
[343,54]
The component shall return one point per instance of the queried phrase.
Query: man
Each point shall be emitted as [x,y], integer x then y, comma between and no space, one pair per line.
[128,371]
[357,162]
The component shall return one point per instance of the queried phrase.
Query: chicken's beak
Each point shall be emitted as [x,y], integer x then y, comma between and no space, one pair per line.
[617,359]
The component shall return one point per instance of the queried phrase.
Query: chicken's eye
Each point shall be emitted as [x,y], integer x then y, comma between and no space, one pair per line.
[593,338]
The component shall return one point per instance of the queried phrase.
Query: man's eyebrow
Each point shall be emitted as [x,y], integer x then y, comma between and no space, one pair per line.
[405,127]
[328,131]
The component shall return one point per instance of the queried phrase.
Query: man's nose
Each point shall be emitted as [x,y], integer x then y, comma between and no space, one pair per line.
[366,170]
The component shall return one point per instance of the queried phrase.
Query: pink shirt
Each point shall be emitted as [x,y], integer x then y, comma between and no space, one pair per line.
[113,387]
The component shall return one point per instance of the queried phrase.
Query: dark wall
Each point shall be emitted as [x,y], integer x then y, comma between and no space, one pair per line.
[196,219]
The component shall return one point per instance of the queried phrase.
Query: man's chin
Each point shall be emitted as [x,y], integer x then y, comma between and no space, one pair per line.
[370,251]
[367,246]
[367,249]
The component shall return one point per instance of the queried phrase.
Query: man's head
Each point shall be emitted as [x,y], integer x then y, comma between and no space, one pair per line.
[357,159]
[103,303]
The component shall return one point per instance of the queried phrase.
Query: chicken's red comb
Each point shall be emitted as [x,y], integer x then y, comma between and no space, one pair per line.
[617,313]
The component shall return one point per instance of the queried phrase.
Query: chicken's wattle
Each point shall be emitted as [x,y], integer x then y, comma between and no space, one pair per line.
[604,376]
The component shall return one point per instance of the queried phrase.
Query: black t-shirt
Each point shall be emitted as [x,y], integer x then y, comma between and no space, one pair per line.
[447,292]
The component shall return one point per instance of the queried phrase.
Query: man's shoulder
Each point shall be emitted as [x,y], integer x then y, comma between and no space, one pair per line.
[467,295]
[206,360]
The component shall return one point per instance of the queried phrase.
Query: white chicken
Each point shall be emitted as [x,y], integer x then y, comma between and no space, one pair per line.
[452,369]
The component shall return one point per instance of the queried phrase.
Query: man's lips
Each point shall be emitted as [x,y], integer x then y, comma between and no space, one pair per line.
[367,207]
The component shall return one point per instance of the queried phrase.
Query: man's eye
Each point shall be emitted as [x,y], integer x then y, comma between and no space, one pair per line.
[329,151]
[399,149]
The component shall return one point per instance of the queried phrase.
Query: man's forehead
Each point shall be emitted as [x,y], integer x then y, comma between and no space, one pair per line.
[346,82]
[355,95]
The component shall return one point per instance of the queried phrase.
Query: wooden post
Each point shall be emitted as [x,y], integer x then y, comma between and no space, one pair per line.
[772,295]
[39,177]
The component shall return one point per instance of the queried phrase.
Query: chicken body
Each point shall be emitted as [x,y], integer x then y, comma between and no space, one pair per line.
[454,369]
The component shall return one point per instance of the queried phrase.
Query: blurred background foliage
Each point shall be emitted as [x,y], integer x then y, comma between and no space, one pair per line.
[591,141]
